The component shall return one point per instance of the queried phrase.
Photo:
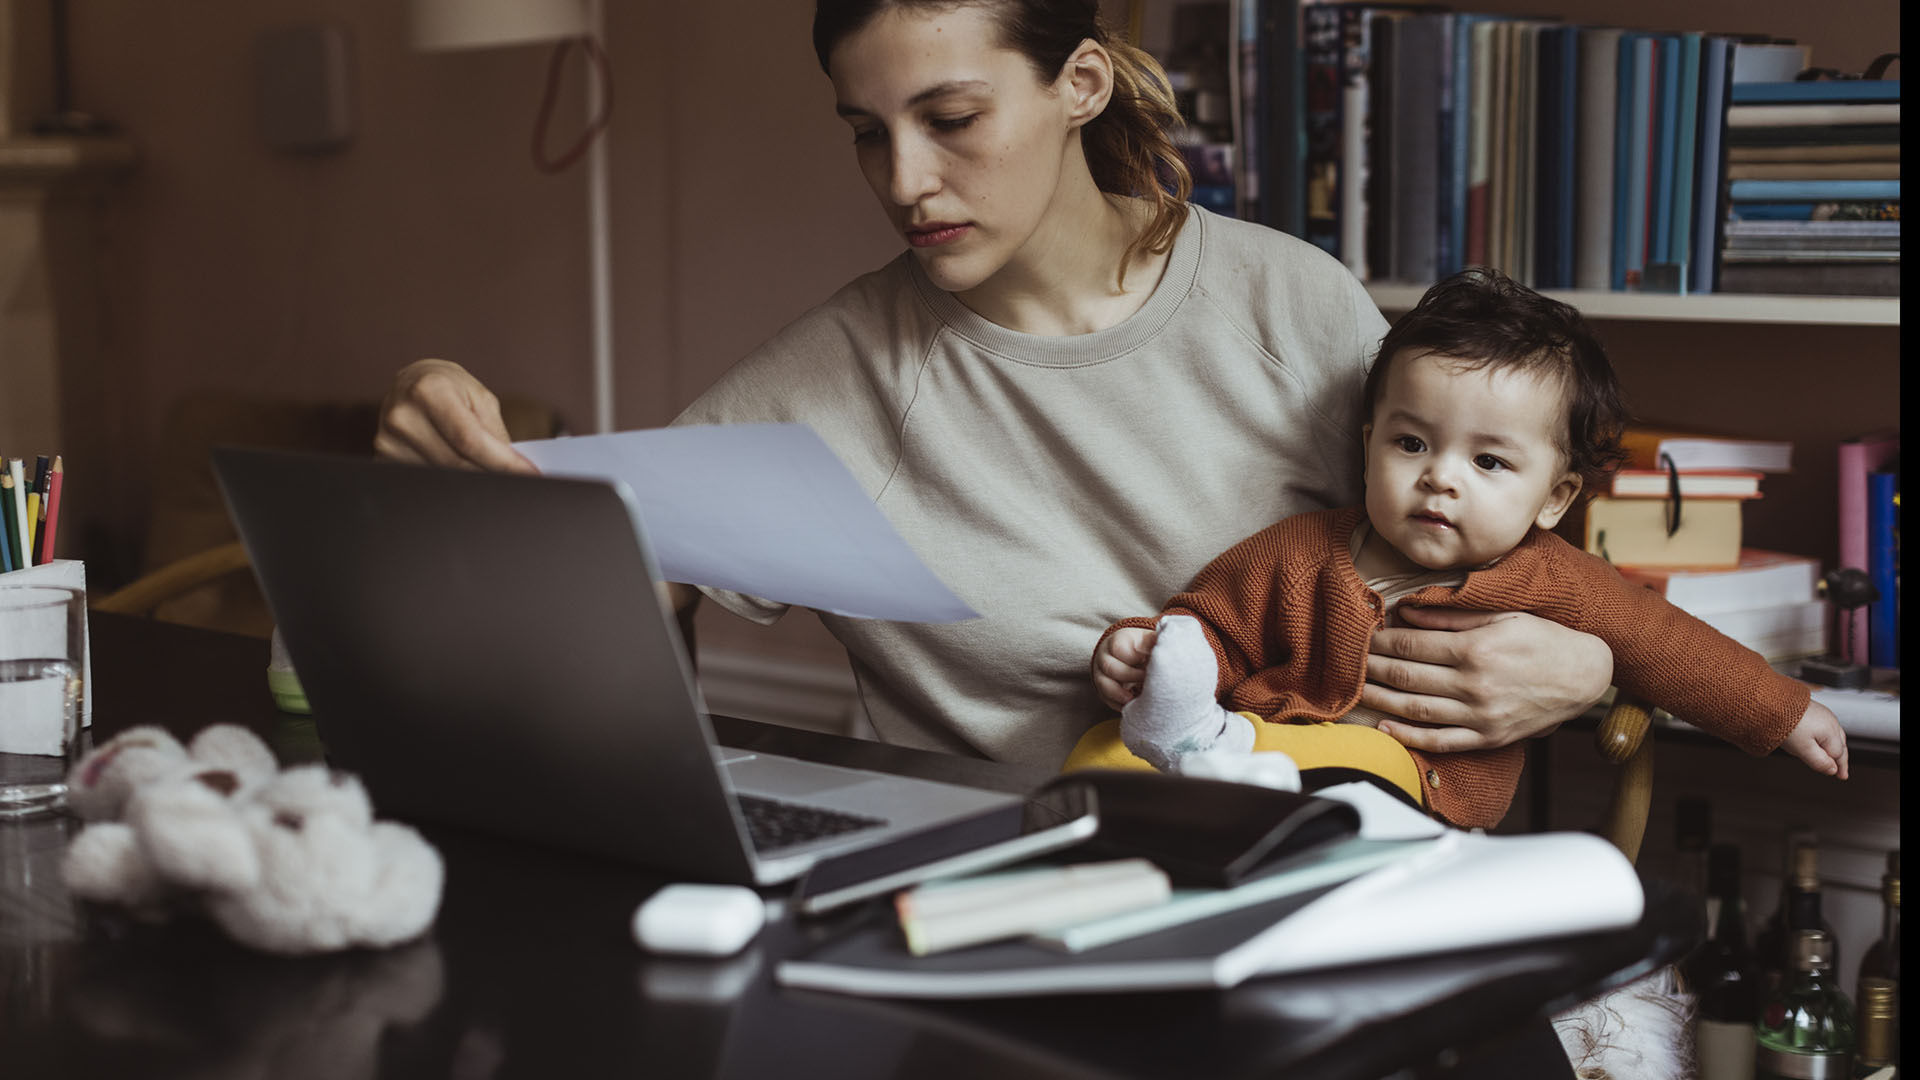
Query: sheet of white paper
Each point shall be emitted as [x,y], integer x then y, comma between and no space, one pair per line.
[762,509]
[1382,817]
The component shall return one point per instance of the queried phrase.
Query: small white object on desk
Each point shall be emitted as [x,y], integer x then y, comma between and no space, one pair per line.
[699,920]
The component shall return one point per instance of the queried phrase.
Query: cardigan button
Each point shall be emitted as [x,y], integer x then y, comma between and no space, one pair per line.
[1433,777]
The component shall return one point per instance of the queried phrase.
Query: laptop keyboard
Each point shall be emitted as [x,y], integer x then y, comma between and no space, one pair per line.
[773,824]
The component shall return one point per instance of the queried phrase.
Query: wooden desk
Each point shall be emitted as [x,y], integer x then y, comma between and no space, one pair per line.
[529,970]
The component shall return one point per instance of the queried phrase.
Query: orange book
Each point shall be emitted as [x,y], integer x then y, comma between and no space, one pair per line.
[1695,450]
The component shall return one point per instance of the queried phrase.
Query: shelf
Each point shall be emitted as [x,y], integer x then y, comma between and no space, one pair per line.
[41,161]
[1713,307]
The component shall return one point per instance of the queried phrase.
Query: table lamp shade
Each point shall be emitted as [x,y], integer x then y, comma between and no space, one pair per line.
[470,24]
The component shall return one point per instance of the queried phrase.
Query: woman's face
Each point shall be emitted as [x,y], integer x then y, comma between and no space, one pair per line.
[964,146]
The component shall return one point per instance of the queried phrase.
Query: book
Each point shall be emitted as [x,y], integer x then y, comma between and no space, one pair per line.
[1883,564]
[1690,449]
[1761,579]
[1633,532]
[1781,632]
[1811,116]
[1813,190]
[1413,150]
[1811,278]
[1634,138]
[1598,78]
[1462,891]
[1813,170]
[1685,162]
[1694,484]
[953,914]
[1818,151]
[1800,91]
[1826,231]
[1480,53]
[1797,134]
[1320,57]
[1857,459]
[1666,141]
[1769,61]
[1812,211]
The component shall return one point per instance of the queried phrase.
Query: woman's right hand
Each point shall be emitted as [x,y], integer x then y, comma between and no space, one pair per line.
[438,414]
[1120,665]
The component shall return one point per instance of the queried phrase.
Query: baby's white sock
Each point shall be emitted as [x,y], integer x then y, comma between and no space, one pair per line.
[1176,714]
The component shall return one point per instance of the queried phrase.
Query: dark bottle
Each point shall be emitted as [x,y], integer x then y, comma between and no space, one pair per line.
[1879,1026]
[1692,832]
[1806,1027]
[1799,910]
[1721,975]
[1882,959]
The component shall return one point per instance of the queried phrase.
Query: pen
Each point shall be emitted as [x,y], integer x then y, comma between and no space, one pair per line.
[49,531]
[6,512]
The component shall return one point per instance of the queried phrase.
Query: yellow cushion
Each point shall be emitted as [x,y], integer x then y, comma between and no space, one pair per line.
[1311,746]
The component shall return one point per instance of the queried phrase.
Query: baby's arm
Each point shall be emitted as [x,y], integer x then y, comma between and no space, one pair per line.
[1120,664]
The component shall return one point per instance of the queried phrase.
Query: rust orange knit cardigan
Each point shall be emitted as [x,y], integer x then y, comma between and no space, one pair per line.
[1290,619]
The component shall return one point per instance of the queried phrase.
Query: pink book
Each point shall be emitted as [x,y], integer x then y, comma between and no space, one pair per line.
[1858,457]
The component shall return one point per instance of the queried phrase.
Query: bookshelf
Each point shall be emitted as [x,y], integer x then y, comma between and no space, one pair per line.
[1393,298]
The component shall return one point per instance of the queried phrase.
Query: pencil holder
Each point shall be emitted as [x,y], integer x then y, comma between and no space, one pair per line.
[67,574]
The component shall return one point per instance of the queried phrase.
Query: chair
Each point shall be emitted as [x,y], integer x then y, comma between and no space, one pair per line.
[1624,740]
[192,555]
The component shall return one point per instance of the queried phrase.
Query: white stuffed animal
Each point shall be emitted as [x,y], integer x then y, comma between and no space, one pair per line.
[285,861]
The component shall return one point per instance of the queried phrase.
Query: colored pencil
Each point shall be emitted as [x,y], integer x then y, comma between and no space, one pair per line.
[6,513]
[50,533]
[33,519]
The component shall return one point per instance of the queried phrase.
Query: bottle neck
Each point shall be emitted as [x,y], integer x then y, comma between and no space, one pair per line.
[1889,923]
[1730,927]
[1803,909]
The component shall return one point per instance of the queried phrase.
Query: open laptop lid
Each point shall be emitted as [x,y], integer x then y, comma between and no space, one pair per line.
[490,651]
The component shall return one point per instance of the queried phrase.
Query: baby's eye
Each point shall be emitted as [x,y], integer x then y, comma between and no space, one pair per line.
[954,123]
[1489,462]
[867,136]
[1410,443]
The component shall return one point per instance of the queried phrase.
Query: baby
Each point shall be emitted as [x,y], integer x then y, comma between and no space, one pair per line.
[1489,409]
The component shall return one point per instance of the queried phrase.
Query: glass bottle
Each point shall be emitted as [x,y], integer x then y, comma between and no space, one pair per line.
[1882,959]
[1799,910]
[1692,833]
[1879,1034]
[1722,976]
[1806,1028]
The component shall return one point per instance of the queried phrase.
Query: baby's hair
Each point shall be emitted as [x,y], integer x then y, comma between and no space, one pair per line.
[1483,318]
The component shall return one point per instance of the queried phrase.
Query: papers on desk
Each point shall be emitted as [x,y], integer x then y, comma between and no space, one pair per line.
[1459,891]
[761,509]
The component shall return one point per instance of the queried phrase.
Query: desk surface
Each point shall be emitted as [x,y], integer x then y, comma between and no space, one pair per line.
[529,970]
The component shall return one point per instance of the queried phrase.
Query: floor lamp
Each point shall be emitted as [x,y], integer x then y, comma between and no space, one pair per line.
[471,24]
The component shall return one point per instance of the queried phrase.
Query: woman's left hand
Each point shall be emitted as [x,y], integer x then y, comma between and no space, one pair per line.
[1474,680]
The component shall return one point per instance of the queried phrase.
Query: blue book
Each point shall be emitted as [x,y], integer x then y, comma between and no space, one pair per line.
[1685,147]
[1666,130]
[1636,130]
[1825,92]
[1883,564]
[1449,187]
[1622,141]
[1813,190]
[1557,127]
[1708,214]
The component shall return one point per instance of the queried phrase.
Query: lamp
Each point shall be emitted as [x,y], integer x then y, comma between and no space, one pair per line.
[443,25]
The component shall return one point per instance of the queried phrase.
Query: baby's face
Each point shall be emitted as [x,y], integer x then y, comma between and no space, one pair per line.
[1460,462]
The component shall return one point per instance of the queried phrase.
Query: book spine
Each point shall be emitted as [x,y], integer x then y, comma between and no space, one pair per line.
[1811,116]
[1639,124]
[1526,136]
[1883,564]
[1793,191]
[1567,120]
[1500,139]
[1415,151]
[1832,91]
[1446,237]
[1326,85]
[1709,201]
[1480,148]
[1594,171]
[1665,148]
[1686,150]
[1460,154]
[1380,223]
[1623,127]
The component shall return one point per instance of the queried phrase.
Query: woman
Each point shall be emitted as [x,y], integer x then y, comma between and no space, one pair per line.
[1068,394]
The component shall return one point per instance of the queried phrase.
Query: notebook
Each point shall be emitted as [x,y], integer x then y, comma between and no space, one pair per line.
[491,651]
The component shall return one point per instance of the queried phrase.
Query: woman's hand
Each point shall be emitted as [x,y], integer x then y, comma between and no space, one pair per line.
[438,414]
[1120,665]
[1474,680]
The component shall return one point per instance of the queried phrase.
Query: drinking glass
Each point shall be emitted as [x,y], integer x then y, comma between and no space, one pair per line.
[42,635]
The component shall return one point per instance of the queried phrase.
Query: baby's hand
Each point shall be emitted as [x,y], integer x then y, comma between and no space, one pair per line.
[1819,741]
[1120,665]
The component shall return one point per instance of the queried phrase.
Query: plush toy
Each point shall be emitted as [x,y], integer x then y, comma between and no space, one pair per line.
[285,861]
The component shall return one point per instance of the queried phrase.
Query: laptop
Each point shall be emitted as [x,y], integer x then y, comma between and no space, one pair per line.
[491,651]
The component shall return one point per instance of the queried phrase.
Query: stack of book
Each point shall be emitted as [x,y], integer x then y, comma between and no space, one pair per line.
[1813,174]
[1672,521]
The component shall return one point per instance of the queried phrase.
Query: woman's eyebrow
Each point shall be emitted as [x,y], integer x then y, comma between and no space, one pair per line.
[937,90]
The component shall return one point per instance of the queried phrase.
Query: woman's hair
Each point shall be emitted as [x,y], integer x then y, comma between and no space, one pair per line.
[1127,146]
[1484,319]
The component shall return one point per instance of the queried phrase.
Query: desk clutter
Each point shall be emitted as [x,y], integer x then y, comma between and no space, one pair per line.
[29,510]
[1342,877]
[285,861]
